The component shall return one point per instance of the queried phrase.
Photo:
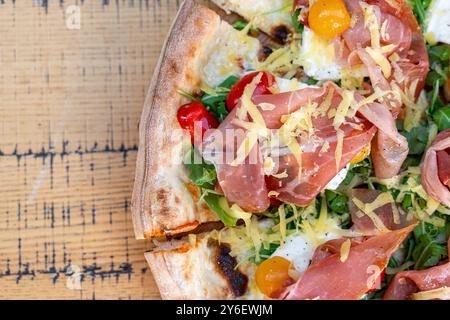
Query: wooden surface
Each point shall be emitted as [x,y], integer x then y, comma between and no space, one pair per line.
[70,100]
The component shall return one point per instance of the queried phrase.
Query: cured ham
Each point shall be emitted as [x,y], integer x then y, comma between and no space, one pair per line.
[243,184]
[386,38]
[389,148]
[406,283]
[384,210]
[435,169]
[326,139]
[332,279]
[330,248]
[387,24]
[390,25]
[298,177]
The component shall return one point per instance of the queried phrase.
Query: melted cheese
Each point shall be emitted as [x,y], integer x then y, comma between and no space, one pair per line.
[264,14]
[231,53]
[299,248]
[437,22]
[337,180]
[318,58]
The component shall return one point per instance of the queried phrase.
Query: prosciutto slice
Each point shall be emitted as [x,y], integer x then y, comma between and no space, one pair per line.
[294,181]
[318,164]
[435,169]
[332,279]
[389,148]
[408,59]
[398,27]
[330,248]
[243,184]
[391,220]
[406,283]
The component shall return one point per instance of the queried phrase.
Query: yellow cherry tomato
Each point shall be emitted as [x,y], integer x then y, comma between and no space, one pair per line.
[329,18]
[362,154]
[273,275]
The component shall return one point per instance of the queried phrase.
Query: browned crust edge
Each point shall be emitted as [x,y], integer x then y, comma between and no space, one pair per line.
[203,270]
[192,24]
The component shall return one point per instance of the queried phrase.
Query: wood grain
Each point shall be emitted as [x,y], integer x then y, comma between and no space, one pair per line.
[70,100]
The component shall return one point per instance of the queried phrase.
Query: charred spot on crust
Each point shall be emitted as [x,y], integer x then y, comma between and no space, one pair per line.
[281,33]
[264,53]
[162,195]
[226,264]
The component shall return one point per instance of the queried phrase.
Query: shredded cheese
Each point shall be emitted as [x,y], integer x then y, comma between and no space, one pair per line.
[282,215]
[369,209]
[238,213]
[371,22]
[339,145]
[267,106]
[273,194]
[345,250]
[381,60]
[343,108]
[440,293]
[244,149]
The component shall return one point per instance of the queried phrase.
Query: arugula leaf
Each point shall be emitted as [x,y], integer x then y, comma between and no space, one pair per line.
[411,161]
[442,118]
[204,175]
[417,138]
[337,202]
[216,102]
[212,200]
[427,245]
[296,23]
[311,81]
[439,52]
[419,8]
[407,201]
[240,24]
[264,253]
[201,174]
[363,169]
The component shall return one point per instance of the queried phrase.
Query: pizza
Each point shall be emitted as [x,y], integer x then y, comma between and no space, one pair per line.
[298,150]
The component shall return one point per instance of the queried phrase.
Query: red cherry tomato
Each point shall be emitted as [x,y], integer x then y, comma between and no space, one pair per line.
[378,282]
[194,112]
[267,80]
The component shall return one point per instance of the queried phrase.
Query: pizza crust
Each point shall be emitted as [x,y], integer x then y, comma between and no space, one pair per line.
[164,203]
[195,271]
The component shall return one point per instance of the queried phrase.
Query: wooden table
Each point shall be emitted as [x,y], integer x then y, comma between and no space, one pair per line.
[73,76]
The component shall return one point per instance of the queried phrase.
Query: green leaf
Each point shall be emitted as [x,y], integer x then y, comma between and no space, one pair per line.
[442,118]
[229,82]
[240,24]
[419,8]
[311,81]
[296,23]
[201,174]
[212,200]
[337,202]
[407,201]
[265,253]
[216,102]
[363,169]
[439,52]
[428,250]
[417,139]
